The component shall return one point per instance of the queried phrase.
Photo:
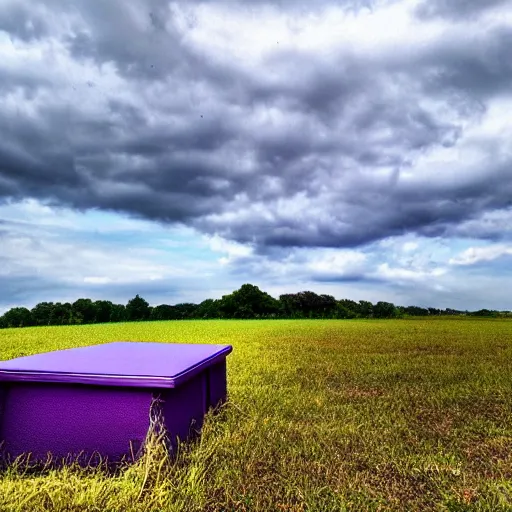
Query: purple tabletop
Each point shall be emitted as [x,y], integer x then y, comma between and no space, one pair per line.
[161,365]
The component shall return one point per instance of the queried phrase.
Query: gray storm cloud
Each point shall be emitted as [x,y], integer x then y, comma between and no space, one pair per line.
[117,107]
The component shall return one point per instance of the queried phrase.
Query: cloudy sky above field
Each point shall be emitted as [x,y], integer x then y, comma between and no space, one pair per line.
[361,148]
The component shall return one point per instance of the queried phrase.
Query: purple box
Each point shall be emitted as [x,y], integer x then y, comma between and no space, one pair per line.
[98,399]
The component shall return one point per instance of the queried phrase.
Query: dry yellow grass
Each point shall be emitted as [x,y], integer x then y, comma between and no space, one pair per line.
[322,415]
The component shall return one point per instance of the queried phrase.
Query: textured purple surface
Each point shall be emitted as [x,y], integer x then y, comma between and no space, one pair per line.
[70,419]
[117,364]
[109,413]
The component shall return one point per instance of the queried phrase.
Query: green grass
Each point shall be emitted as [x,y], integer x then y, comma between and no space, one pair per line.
[322,415]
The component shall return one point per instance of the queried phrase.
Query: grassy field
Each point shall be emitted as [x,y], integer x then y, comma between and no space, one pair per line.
[322,415]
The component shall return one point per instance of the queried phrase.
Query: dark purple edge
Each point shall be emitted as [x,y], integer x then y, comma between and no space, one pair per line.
[115,380]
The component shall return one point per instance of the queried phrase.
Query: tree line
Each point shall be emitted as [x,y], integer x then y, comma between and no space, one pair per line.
[247,302]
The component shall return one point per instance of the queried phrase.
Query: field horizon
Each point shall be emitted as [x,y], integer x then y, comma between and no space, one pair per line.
[408,414]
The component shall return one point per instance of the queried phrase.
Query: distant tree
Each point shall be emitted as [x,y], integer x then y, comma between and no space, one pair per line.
[416,311]
[290,306]
[137,309]
[163,312]
[118,313]
[311,303]
[326,306]
[365,309]
[231,307]
[453,312]
[42,313]
[485,313]
[307,304]
[184,310]
[84,311]
[17,317]
[248,302]
[348,308]
[61,314]
[343,312]
[399,312]
[209,308]
[103,311]
[384,310]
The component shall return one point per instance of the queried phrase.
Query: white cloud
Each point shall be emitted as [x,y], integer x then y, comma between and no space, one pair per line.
[58,259]
[385,271]
[410,246]
[97,280]
[335,263]
[477,254]
[232,250]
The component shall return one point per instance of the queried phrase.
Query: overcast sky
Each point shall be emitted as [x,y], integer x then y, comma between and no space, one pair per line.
[361,148]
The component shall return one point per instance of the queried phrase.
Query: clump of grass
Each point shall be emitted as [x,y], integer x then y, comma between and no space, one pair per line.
[322,415]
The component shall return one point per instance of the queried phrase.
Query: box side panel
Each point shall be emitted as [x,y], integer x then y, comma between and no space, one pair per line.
[184,408]
[63,420]
[4,388]
[217,384]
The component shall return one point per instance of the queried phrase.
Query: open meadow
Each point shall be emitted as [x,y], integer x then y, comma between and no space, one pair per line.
[322,415]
